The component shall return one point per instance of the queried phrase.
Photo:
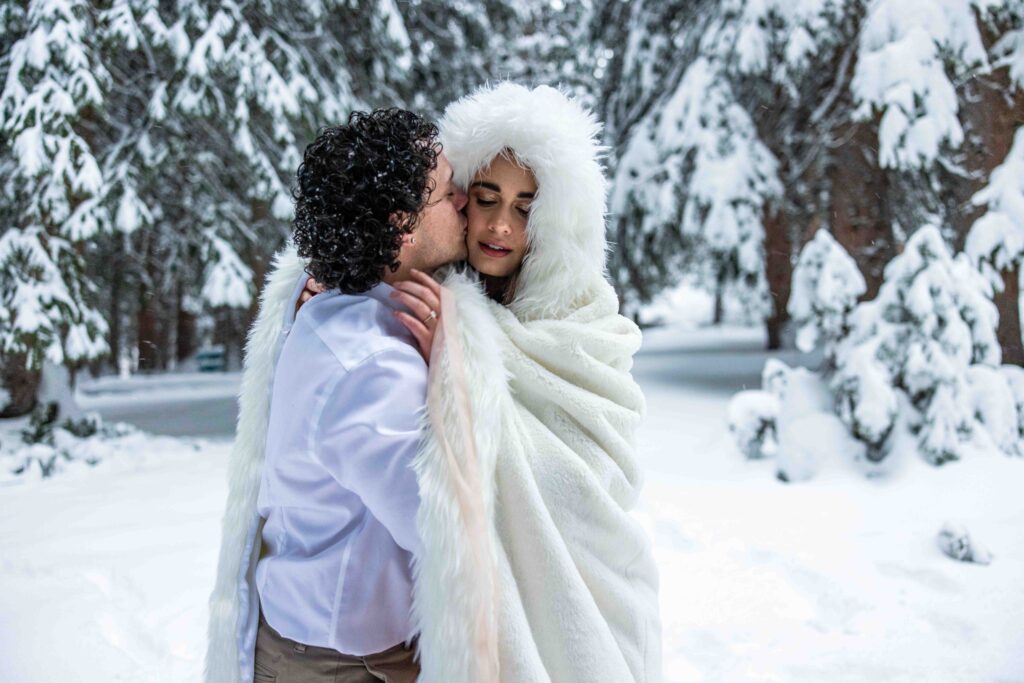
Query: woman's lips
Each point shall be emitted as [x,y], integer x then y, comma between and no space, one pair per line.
[494,251]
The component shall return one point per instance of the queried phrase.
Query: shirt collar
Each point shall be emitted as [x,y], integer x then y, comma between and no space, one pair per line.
[382,293]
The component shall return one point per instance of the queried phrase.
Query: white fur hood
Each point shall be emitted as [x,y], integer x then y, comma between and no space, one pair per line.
[557,138]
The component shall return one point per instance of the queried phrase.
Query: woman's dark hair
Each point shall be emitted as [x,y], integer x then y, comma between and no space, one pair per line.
[361,186]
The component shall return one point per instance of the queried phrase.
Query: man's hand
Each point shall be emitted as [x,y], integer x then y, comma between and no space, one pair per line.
[312,289]
[421,295]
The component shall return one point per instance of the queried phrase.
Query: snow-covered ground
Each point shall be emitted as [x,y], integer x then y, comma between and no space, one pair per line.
[106,569]
[838,578]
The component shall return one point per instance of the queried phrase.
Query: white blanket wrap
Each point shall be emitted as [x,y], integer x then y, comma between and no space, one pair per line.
[553,411]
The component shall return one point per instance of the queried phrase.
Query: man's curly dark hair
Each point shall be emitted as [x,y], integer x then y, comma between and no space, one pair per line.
[361,186]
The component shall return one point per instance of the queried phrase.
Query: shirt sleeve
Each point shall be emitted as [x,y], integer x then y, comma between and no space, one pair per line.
[368,434]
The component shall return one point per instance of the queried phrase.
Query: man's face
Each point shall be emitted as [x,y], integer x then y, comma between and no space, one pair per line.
[441,231]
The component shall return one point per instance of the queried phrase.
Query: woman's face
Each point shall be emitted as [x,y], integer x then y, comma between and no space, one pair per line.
[497,212]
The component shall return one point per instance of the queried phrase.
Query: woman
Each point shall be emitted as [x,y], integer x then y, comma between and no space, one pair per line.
[532,415]
[532,569]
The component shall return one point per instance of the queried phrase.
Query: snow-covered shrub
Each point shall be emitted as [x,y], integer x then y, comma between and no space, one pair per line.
[791,419]
[809,433]
[932,319]
[753,415]
[775,377]
[865,400]
[995,407]
[40,424]
[826,285]
[1014,375]
[83,427]
[752,422]
[956,542]
[47,448]
[811,440]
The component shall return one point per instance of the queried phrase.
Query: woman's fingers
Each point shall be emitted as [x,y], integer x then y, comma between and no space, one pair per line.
[311,289]
[420,301]
[424,336]
[422,296]
[430,283]
[431,300]
[417,307]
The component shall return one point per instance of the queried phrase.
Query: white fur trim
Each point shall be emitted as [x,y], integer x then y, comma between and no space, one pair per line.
[229,619]
[558,140]
[441,612]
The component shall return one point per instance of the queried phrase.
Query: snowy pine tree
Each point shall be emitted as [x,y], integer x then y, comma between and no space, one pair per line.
[908,54]
[932,319]
[935,82]
[54,188]
[154,148]
[995,243]
[780,71]
[691,176]
[826,286]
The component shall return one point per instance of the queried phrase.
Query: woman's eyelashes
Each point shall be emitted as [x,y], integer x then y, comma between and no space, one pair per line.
[483,203]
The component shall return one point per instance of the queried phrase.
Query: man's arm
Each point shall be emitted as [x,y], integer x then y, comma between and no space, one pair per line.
[367,435]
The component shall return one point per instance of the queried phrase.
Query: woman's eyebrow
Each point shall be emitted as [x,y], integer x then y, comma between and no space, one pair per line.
[494,187]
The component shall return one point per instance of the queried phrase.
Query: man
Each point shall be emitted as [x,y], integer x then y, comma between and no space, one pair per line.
[326,592]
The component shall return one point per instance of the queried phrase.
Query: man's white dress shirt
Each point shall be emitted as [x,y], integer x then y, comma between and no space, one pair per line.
[338,490]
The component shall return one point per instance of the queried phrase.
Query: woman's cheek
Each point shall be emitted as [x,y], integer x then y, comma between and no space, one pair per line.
[473,225]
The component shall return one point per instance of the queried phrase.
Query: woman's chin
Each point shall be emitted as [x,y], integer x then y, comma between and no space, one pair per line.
[486,266]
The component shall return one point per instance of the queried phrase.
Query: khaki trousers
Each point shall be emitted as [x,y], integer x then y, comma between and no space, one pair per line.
[280,660]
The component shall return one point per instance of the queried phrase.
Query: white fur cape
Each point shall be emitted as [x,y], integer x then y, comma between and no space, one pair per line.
[571,594]
[533,569]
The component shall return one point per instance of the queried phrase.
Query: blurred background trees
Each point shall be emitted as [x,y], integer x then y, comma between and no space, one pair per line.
[150,147]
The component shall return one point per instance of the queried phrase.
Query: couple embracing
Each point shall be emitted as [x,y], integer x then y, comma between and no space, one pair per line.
[433,481]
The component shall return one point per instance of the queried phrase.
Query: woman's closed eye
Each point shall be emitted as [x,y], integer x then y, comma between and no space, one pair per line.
[524,211]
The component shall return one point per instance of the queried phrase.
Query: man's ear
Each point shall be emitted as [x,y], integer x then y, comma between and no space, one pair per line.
[408,238]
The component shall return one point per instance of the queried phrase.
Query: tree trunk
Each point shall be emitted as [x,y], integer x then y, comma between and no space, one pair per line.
[116,292]
[861,221]
[21,383]
[718,312]
[186,326]
[1008,302]
[778,250]
[992,112]
[147,333]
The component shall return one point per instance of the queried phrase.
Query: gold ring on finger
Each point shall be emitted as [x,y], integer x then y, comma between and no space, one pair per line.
[432,316]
